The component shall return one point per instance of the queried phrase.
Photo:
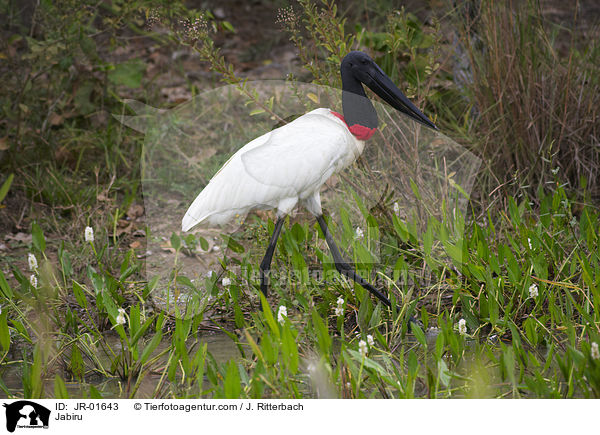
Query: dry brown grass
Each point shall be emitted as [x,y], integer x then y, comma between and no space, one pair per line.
[537,108]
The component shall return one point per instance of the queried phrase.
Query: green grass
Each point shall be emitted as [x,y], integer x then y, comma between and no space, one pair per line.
[516,344]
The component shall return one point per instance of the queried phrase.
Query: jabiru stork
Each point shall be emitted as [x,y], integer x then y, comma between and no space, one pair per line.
[288,165]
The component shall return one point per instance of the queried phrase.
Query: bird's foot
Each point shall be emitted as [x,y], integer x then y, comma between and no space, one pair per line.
[413,321]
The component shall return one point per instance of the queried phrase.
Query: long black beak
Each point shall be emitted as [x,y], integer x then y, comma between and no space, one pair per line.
[387,90]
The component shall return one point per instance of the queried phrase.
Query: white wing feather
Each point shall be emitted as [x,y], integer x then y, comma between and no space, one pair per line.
[277,169]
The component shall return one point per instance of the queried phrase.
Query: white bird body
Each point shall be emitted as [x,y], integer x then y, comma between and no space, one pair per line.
[277,170]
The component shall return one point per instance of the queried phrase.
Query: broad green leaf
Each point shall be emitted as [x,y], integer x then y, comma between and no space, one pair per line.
[4,332]
[38,237]
[128,73]
[94,393]
[443,373]
[323,337]
[232,381]
[60,389]
[419,334]
[175,241]
[6,186]
[289,348]
[79,295]
[5,288]
[228,26]
[150,347]
[268,315]
[368,362]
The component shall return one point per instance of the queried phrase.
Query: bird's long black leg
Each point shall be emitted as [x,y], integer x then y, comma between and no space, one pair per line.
[345,268]
[265,265]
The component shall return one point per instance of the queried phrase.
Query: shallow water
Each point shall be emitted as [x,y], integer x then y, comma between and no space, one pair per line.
[219,345]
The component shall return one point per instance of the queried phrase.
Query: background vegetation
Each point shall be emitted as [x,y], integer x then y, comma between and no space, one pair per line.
[516,88]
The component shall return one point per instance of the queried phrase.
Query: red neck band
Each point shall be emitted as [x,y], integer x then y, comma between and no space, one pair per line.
[359,131]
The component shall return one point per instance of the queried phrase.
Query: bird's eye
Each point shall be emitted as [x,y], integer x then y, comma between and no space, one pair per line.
[349,63]
[364,61]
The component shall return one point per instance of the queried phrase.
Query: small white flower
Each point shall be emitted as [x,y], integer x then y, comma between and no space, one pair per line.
[533,291]
[33,281]
[370,340]
[462,326]
[529,243]
[396,208]
[362,347]
[226,281]
[339,310]
[358,234]
[0,309]
[555,170]
[595,351]
[281,314]
[493,338]
[209,274]
[89,234]
[33,264]
[121,317]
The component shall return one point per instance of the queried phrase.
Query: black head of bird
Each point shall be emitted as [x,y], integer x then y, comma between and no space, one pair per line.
[358,68]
